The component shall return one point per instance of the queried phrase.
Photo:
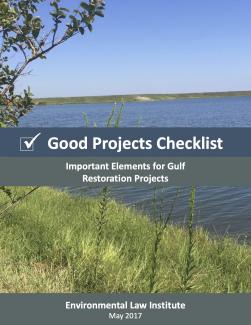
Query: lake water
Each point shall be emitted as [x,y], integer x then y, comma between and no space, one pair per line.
[219,209]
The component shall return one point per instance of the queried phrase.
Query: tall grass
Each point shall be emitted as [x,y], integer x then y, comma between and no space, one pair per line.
[189,263]
[100,221]
[48,243]
[160,222]
[114,118]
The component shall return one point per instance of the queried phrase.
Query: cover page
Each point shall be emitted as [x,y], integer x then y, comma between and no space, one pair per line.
[125,184]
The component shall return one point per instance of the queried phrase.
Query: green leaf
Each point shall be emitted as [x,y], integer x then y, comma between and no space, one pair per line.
[90,27]
[99,13]
[81,30]
[85,6]
[35,32]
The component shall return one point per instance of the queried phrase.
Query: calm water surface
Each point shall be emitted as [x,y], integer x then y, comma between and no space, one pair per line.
[220,209]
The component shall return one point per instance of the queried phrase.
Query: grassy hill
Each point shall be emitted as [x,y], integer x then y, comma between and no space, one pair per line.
[53,242]
[134,98]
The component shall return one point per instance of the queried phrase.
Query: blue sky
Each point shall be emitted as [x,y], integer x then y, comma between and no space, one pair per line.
[157,46]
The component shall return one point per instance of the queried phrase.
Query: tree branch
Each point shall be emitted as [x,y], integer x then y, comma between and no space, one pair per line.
[18,200]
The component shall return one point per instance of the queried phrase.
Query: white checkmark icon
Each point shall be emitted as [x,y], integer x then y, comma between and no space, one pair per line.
[31,142]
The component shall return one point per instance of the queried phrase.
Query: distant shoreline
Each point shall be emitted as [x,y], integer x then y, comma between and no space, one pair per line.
[135,98]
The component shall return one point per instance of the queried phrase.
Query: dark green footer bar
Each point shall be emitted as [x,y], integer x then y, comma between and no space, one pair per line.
[175,309]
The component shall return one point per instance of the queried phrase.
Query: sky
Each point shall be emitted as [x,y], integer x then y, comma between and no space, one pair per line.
[158,46]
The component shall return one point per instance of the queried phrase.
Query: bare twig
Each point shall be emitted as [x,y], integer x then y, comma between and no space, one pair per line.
[18,200]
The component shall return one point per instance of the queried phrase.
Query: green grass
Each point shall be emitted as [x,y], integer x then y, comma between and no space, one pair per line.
[134,98]
[53,242]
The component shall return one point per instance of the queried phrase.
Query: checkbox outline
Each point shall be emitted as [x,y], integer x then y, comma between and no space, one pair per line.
[22,144]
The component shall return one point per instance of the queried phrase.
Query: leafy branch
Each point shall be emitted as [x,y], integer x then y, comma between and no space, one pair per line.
[24,34]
